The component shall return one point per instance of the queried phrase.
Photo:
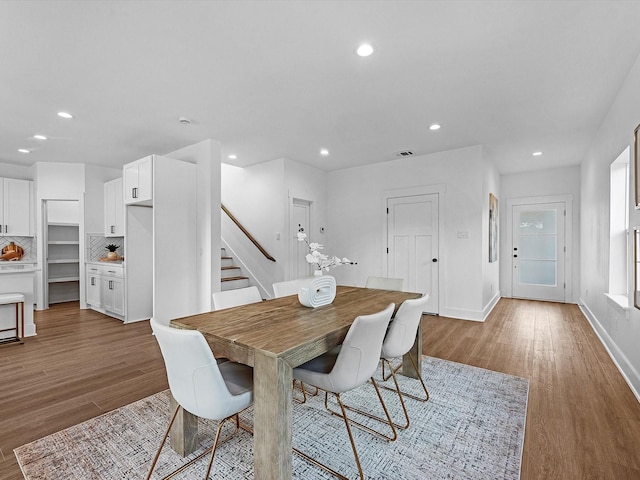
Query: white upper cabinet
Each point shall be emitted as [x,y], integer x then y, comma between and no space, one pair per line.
[113,209]
[15,207]
[138,182]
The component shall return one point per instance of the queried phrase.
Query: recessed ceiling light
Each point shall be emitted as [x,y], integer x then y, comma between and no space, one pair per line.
[435,126]
[364,50]
[536,154]
[324,152]
[65,115]
[233,156]
[40,137]
[24,150]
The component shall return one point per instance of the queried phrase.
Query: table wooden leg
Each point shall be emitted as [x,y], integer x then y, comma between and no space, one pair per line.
[184,432]
[272,413]
[416,353]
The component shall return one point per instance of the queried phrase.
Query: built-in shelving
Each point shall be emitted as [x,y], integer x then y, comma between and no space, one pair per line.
[63,262]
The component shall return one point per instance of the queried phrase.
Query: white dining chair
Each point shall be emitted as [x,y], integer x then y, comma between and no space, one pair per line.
[200,385]
[398,341]
[284,289]
[236,297]
[384,283]
[347,368]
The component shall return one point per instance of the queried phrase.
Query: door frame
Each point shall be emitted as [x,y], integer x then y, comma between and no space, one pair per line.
[439,189]
[293,257]
[568,240]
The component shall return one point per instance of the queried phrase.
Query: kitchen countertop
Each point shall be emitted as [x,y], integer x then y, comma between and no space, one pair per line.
[17,267]
[117,263]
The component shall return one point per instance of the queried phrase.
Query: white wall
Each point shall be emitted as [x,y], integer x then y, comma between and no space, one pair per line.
[303,182]
[57,181]
[260,197]
[95,177]
[356,222]
[206,155]
[490,270]
[555,181]
[618,328]
[16,171]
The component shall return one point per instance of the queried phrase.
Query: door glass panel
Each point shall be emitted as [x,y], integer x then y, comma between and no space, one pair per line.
[535,272]
[539,247]
[538,253]
[537,222]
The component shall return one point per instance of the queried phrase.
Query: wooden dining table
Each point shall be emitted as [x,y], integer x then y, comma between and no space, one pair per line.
[273,337]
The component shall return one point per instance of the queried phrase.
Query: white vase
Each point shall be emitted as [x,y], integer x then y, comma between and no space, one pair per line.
[317,290]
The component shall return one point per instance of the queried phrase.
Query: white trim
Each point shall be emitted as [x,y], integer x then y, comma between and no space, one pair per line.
[568,239]
[439,189]
[246,270]
[619,301]
[630,375]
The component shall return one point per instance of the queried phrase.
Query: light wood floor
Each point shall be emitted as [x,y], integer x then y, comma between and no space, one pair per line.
[583,422]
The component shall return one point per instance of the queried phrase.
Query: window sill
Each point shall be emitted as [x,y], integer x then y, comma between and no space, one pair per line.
[621,301]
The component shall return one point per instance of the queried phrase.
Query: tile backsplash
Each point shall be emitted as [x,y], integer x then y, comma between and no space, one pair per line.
[28,244]
[96,244]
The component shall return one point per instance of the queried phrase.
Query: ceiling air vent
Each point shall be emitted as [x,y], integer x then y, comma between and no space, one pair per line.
[404,153]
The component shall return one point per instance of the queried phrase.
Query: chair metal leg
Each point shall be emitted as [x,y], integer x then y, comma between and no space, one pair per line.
[304,391]
[164,439]
[216,443]
[388,420]
[397,392]
[418,373]
[347,421]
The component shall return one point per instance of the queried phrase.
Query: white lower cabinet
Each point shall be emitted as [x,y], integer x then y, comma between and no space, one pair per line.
[105,289]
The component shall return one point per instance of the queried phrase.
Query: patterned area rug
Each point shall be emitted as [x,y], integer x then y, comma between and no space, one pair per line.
[471,428]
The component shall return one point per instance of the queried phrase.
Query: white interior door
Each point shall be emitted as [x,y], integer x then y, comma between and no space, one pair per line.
[412,230]
[538,251]
[300,214]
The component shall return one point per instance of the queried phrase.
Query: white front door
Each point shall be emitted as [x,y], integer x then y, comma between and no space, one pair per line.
[538,251]
[412,230]
[300,214]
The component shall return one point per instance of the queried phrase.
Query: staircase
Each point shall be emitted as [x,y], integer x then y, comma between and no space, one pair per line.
[231,275]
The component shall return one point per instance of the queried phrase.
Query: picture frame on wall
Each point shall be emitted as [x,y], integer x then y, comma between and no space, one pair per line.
[493,228]
[636,152]
[636,267]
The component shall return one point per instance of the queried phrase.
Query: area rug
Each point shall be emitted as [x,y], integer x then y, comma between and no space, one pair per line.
[471,428]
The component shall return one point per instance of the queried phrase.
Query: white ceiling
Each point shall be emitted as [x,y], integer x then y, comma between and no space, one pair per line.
[273,79]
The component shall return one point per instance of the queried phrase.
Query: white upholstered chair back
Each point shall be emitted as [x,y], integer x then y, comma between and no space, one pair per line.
[385,283]
[283,289]
[236,297]
[194,376]
[402,330]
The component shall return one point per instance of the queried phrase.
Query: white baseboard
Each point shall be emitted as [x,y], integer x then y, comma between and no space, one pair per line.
[621,362]
[473,315]
[489,307]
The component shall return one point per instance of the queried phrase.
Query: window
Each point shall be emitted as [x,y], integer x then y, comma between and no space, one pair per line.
[619,228]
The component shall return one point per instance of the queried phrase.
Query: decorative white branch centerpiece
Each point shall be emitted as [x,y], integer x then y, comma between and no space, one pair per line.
[320,289]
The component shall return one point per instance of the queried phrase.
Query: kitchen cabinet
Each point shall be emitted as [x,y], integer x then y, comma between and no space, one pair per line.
[94,286]
[63,262]
[16,207]
[113,295]
[113,209]
[105,289]
[138,182]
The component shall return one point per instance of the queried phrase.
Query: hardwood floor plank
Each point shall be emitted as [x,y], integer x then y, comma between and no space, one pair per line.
[582,418]
[583,421]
